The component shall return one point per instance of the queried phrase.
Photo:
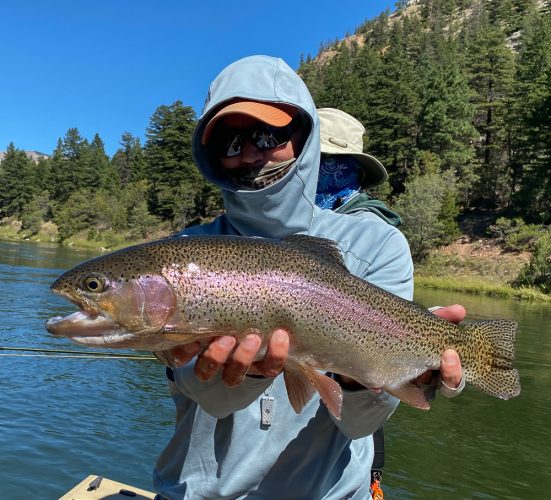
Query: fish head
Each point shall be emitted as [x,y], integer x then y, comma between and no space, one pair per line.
[121,301]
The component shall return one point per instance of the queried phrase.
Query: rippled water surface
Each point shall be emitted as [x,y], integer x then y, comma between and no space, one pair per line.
[62,419]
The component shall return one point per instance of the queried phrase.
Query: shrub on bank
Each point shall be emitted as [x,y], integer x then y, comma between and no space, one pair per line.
[515,235]
[537,273]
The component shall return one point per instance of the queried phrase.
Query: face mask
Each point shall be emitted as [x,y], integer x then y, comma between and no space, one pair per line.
[339,179]
[252,179]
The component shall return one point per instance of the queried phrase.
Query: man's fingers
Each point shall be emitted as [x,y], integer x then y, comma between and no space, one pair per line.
[237,361]
[278,350]
[454,313]
[450,364]
[214,357]
[450,369]
[241,359]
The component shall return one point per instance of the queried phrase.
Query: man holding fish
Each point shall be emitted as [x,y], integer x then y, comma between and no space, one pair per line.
[299,318]
[297,355]
[237,435]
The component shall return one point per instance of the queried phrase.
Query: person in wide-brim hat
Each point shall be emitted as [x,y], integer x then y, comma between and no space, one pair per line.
[346,171]
[341,134]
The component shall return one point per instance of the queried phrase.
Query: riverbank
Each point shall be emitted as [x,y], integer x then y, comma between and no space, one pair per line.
[105,241]
[478,266]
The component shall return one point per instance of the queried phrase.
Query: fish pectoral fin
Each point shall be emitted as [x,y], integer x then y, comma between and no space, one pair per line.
[299,388]
[302,380]
[416,395]
[175,328]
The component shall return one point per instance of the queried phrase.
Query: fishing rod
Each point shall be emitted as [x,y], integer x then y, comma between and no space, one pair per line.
[33,351]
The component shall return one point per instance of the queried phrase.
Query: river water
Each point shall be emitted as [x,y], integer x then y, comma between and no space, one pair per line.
[62,419]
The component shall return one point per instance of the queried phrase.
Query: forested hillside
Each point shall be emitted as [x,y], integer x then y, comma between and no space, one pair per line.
[456,99]
[131,195]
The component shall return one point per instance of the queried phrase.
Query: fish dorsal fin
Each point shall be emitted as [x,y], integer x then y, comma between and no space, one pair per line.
[322,249]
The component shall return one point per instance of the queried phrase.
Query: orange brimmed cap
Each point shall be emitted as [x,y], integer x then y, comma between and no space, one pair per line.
[277,115]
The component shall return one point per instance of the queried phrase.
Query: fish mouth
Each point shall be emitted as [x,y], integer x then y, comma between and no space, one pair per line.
[87,328]
[132,315]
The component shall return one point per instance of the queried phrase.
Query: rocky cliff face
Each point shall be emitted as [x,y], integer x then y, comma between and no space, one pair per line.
[412,9]
[32,155]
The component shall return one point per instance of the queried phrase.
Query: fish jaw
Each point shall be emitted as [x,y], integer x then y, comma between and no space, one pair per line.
[85,328]
[101,331]
[80,323]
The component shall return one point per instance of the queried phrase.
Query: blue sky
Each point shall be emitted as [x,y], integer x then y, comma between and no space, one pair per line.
[105,65]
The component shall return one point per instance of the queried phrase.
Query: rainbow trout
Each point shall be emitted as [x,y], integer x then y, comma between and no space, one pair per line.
[171,292]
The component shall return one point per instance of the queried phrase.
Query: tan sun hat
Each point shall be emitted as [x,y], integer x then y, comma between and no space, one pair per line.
[277,115]
[341,134]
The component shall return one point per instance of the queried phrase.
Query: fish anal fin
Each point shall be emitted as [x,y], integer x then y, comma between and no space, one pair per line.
[329,390]
[418,396]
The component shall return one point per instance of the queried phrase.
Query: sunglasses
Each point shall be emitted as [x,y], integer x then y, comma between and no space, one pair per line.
[228,143]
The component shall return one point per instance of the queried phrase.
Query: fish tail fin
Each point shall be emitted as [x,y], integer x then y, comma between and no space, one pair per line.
[488,361]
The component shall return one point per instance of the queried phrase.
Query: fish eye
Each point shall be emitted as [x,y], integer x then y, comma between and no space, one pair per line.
[94,283]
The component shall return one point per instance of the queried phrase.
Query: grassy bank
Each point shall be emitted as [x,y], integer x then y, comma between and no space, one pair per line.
[479,267]
[471,285]
[12,231]
[102,241]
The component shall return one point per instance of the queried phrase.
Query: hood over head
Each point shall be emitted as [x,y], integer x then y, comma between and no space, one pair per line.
[286,206]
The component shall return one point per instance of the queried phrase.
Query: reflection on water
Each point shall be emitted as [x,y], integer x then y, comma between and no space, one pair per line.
[63,419]
[43,255]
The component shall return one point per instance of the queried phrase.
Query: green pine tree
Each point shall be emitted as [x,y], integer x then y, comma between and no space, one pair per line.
[341,86]
[446,117]
[491,69]
[175,180]
[129,160]
[99,173]
[533,112]
[17,182]
[393,100]
[70,166]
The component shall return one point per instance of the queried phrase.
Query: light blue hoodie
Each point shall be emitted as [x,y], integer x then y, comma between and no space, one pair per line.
[219,449]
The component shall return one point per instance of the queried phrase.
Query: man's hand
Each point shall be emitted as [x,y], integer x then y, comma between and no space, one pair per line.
[235,357]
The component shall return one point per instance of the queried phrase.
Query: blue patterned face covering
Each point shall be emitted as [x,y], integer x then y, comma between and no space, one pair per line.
[339,180]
